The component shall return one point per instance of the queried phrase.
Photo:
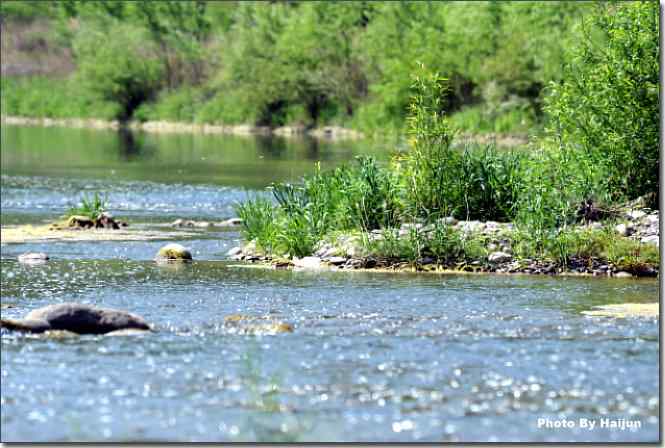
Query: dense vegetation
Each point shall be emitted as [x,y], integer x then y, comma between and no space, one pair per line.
[596,155]
[293,62]
[590,81]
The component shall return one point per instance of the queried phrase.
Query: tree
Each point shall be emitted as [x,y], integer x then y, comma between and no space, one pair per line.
[125,70]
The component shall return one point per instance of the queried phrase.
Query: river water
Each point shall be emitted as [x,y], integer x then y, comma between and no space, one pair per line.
[373,356]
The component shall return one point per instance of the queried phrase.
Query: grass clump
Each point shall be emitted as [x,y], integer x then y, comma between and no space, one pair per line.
[91,207]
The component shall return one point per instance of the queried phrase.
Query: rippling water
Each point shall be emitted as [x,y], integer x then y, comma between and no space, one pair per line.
[373,356]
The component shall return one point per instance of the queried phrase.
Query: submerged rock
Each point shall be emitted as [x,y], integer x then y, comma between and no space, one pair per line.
[33,258]
[255,325]
[76,318]
[173,252]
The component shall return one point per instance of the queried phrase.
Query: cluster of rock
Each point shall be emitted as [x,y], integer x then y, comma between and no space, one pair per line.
[231,222]
[103,221]
[642,225]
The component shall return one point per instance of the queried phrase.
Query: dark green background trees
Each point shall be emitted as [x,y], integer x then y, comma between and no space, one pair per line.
[311,62]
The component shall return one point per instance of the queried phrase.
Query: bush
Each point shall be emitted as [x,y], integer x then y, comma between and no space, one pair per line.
[178,105]
[125,70]
[43,97]
[608,103]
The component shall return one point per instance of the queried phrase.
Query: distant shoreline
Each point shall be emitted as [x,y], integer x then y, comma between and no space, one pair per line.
[174,127]
[170,127]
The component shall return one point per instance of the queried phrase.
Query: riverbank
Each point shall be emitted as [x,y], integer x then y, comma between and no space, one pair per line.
[626,248]
[168,127]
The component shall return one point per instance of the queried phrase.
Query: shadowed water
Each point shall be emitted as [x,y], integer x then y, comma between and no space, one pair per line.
[373,356]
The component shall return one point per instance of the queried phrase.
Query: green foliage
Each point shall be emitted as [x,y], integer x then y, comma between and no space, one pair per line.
[258,222]
[508,118]
[314,63]
[441,181]
[27,10]
[41,97]
[555,182]
[124,70]
[91,207]
[608,103]
[565,244]
[178,105]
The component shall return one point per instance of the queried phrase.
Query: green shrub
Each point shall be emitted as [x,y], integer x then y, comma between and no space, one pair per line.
[178,105]
[477,119]
[125,70]
[42,97]
[608,102]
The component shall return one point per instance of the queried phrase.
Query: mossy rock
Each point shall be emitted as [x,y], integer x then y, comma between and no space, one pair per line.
[173,253]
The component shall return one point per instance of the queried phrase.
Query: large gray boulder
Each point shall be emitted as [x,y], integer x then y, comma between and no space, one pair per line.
[76,318]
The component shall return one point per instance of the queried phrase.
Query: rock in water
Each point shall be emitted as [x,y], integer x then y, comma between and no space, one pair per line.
[33,258]
[173,252]
[76,318]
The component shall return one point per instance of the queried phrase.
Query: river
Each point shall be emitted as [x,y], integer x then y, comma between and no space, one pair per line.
[373,356]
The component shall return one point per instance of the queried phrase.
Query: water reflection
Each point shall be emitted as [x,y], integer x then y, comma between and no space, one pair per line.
[250,162]
[132,146]
[270,146]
